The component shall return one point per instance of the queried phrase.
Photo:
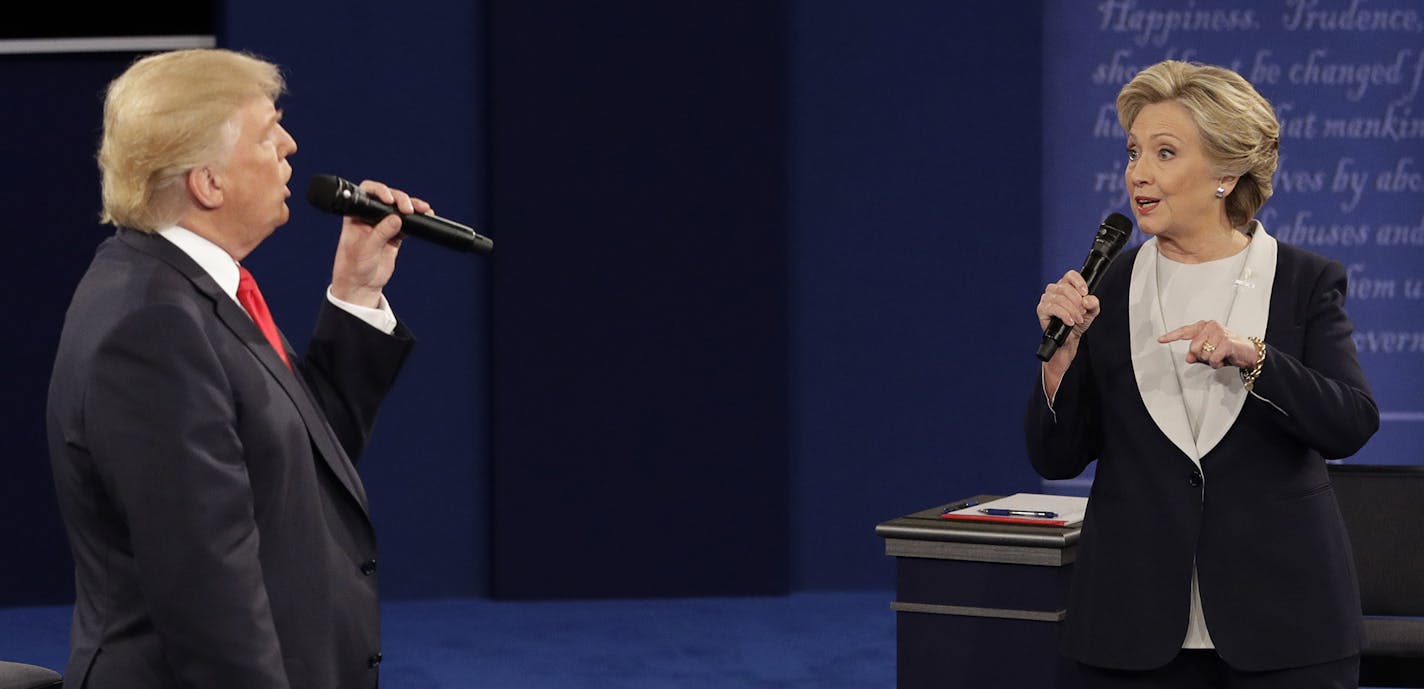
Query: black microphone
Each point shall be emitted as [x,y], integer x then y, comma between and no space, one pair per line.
[335,195]
[1112,236]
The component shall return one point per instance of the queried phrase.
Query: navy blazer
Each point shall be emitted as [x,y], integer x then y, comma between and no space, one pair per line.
[219,529]
[1259,519]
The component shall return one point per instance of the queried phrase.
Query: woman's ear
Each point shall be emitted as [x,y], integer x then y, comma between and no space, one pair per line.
[1228,184]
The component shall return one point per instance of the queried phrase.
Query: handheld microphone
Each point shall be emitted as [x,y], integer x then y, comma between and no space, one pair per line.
[1112,236]
[335,195]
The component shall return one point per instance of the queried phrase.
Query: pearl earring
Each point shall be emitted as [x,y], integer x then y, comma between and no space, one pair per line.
[1220,192]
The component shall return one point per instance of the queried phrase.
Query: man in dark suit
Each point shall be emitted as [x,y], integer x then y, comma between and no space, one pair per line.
[205,472]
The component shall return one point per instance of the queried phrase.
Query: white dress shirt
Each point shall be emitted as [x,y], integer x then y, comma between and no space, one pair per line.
[1191,292]
[223,269]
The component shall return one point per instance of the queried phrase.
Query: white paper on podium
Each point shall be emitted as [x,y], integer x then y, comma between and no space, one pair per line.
[1069,509]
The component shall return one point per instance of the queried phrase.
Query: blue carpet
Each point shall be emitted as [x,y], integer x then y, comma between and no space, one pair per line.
[801,641]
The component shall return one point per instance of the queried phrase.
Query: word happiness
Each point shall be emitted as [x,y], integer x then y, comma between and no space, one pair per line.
[1157,26]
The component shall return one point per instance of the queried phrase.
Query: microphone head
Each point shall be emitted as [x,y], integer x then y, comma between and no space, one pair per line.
[330,193]
[1113,234]
[1120,222]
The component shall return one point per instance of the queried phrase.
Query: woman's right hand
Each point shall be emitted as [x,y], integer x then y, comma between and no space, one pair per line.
[1069,301]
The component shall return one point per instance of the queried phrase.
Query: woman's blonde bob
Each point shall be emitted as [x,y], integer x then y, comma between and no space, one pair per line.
[1238,127]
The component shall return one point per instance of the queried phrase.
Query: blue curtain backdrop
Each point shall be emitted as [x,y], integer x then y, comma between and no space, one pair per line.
[1345,78]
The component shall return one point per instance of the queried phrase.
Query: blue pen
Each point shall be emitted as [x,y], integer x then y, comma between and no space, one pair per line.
[1036,514]
[960,506]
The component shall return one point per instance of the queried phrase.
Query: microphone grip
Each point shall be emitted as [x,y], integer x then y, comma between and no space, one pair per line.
[1053,337]
[434,228]
[1057,331]
[447,233]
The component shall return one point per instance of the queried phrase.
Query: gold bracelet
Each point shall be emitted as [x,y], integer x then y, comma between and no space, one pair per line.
[1249,377]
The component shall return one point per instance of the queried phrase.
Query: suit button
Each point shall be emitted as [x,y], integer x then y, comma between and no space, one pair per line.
[374,661]
[368,567]
[1195,479]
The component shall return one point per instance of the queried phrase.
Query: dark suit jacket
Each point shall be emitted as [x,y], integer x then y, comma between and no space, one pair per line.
[1274,564]
[219,529]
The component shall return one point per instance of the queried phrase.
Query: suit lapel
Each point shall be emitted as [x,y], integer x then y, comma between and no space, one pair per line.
[236,319]
[1152,363]
[323,435]
[1154,366]
[231,315]
[1248,319]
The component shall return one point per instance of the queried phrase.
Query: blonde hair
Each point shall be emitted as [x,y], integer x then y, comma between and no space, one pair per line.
[165,115]
[1238,127]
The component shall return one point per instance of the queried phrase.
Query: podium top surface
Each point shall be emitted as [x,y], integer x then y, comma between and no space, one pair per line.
[927,525]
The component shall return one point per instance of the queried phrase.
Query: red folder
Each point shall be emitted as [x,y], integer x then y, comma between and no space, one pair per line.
[1004,520]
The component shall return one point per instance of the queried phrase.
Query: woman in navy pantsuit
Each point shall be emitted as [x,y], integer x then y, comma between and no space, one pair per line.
[1211,374]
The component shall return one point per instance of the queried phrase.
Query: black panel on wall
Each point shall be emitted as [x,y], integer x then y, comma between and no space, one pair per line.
[51,176]
[53,113]
[65,20]
[639,196]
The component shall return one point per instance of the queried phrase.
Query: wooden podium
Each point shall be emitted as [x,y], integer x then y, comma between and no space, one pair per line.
[979,603]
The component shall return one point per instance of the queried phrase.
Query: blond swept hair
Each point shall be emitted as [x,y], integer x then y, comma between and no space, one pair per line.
[169,113]
[1238,127]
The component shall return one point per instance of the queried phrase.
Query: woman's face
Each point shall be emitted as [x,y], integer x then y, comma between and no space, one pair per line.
[1169,178]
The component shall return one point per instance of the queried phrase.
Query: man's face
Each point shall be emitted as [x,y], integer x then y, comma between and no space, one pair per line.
[254,177]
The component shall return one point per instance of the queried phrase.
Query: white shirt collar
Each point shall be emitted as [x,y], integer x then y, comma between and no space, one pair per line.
[209,256]
[220,265]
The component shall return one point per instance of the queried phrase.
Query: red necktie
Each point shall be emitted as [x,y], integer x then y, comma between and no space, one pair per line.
[251,299]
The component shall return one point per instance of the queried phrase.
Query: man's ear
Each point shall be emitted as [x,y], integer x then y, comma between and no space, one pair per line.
[205,186]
